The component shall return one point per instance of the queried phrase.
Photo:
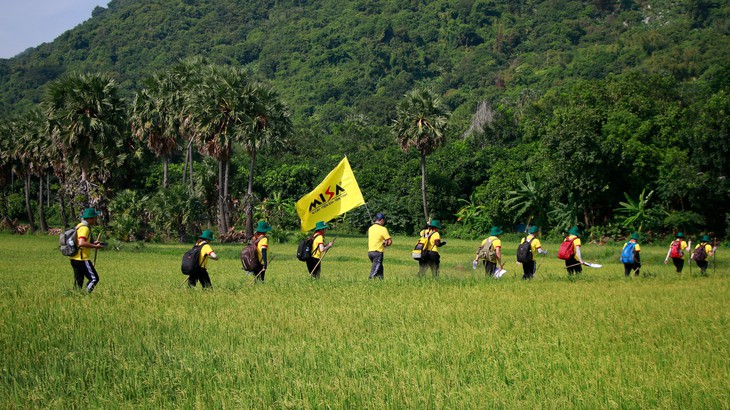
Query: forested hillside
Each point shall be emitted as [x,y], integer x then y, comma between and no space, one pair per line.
[560,110]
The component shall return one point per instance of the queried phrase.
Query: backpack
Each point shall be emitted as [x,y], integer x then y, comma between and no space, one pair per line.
[627,254]
[190,260]
[304,250]
[700,253]
[250,258]
[487,251]
[420,251]
[524,251]
[675,250]
[69,241]
[566,249]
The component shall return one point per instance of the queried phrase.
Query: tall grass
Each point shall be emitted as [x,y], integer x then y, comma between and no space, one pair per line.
[461,340]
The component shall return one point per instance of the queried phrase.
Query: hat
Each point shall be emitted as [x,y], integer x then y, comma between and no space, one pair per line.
[320,226]
[435,223]
[680,235]
[574,231]
[207,235]
[89,213]
[495,231]
[535,229]
[379,216]
[706,238]
[263,227]
[635,236]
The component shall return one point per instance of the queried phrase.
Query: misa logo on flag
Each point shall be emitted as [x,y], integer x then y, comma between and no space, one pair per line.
[335,195]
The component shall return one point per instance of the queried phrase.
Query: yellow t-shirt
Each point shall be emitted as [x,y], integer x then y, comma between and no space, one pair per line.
[204,252]
[576,242]
[708,248]
[535,244]
[377,234]
[318,240]
[637,248]
[83,231]
[260,246]
[431,244]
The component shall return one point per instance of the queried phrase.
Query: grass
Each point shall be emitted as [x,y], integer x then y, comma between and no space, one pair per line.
[660,340]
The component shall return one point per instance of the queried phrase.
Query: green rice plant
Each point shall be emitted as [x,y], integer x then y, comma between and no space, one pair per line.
[461,340]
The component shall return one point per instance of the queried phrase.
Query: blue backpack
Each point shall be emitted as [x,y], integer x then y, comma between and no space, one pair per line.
[627,255]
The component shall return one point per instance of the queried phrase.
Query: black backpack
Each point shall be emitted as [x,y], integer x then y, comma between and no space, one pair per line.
[304,250]
[524,251]
[700,253]
[250,258]
[190,260]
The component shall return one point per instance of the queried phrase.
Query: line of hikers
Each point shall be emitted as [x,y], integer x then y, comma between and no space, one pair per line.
[255,256]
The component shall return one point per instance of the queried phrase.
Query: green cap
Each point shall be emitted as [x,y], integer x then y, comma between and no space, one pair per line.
[635,236]
[435,223]
[680,235]
[207,235]
[495,231]
[89,213]
[535,229]
[706,239]
[320,226]
[574,231]
[263,227]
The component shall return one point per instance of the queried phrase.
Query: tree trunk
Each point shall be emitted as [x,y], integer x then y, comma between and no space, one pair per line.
[62,201]
[249,197]
[41,206]
[190,165]
[423,185]
[165,162]
[28,210]
[226,200]
[48,189]
[221,225]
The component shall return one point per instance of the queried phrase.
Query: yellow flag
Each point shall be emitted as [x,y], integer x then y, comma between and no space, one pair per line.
[337,194]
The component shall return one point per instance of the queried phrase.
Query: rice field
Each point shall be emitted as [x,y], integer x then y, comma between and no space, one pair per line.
[141,340]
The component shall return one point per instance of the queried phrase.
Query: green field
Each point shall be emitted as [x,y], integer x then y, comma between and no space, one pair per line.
[600,340]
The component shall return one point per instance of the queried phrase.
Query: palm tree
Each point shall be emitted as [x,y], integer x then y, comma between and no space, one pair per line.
[421,121]
[86,115]
[268,124]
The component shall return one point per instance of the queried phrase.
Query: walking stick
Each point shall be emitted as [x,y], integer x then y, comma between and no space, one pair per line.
[320,259]
[184,280]
[101,235]
[262,269]
[714,252]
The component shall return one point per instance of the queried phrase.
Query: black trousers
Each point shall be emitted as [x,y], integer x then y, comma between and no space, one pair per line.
[702,265]
[678,263]
[311,263]
[84,269]
[575,266]
[490,268]
[628,267]
[528,269]
[433,261]
[202,276]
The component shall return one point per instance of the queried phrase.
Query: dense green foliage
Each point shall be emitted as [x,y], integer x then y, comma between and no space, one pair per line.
[140,340]
[597,100]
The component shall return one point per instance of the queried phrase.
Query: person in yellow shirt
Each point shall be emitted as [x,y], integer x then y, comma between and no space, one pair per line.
[701,258]
[492,256]
[575,263]
[80,261]
[262,249]
[529,267]
[314,262]
[206,252]
[632,264]
[432,259]
[677,250]
[378,240]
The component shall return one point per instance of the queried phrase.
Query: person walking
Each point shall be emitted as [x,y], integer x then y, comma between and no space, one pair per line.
[677,250]
[80,261]
[206,252]
[314,262]
[631,256]
[490,251]
[262,248]
[378,240]
[574,264]
[432,259]
[529,266]
[702,252]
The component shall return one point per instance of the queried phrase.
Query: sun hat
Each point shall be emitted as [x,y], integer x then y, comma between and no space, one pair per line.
[706,238]
[89,213]
[207,235]
[263,227]
[574,231]
[535,229]
[495,231]
[320,226]
[635,236]
[435,223]
[680,235]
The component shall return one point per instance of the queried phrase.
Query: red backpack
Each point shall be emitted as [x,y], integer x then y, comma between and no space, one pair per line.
[675,250]
[566,249]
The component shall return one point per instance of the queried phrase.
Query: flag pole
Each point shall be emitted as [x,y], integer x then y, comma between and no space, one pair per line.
[369,214]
